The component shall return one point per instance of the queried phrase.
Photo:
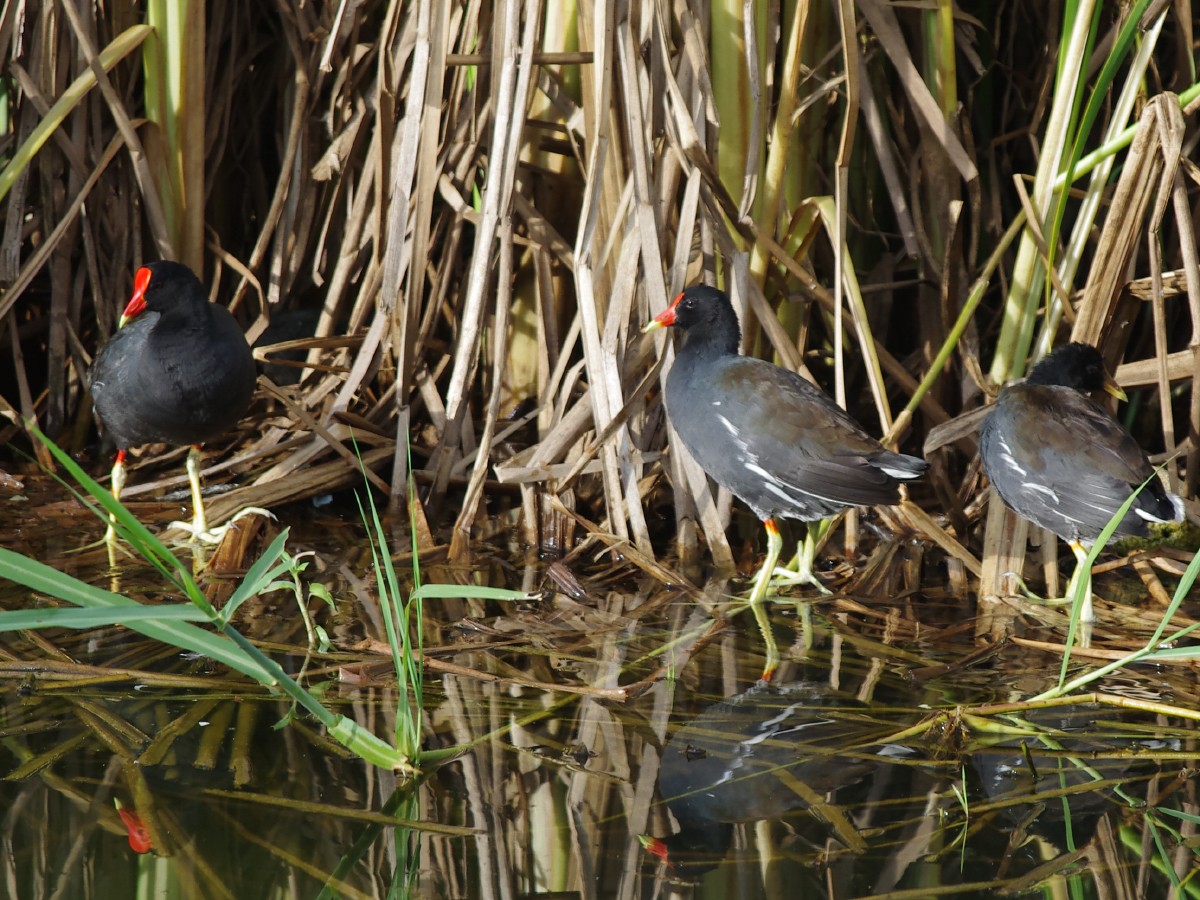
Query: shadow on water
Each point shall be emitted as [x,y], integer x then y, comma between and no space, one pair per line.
[616,745]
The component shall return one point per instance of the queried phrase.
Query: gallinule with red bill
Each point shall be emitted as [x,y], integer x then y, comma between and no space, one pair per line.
[177,371]
[774,440]
[1062,462]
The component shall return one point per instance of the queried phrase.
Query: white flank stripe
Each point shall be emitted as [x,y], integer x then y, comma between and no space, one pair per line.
[791,492]
[1042,489]
[1007,455]
[728,425]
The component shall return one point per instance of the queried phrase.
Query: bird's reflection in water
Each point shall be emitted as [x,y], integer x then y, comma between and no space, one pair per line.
[876,811]
[768,752]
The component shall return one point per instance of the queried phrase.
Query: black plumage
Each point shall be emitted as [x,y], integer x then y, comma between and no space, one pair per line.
[177,371]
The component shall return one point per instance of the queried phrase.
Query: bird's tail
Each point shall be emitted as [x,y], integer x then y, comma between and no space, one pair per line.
[904,468]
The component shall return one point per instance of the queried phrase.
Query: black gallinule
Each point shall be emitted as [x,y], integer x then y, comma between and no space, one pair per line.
[767,435]
[1062,462]
[177,371]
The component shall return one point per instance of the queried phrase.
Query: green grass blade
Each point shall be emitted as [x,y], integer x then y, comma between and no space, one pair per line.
[40,577]
[65,617]
[1182,591]
[468,592]
[228,648]
[139,536]
[1082,581]
[266,569]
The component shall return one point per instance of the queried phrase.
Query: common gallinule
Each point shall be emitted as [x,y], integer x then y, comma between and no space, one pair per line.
[177,371]
[767,435]
[1062,462]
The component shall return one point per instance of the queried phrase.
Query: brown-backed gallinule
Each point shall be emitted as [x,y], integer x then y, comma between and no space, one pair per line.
[1062,462]
[774,440]
[177,371]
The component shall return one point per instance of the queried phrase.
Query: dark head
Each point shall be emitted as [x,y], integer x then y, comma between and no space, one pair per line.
[702,310]
[1077,366]
[159,285]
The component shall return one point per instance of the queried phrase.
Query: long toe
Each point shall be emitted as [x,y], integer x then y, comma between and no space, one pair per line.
[784,577]
[215,535]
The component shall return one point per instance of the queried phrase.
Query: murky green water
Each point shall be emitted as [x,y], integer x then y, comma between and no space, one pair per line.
[588,723]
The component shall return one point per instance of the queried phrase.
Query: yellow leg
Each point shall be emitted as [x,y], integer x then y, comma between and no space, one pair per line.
[806,555]
[117,486]
[1087,614]
[758,593]
[199,522]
